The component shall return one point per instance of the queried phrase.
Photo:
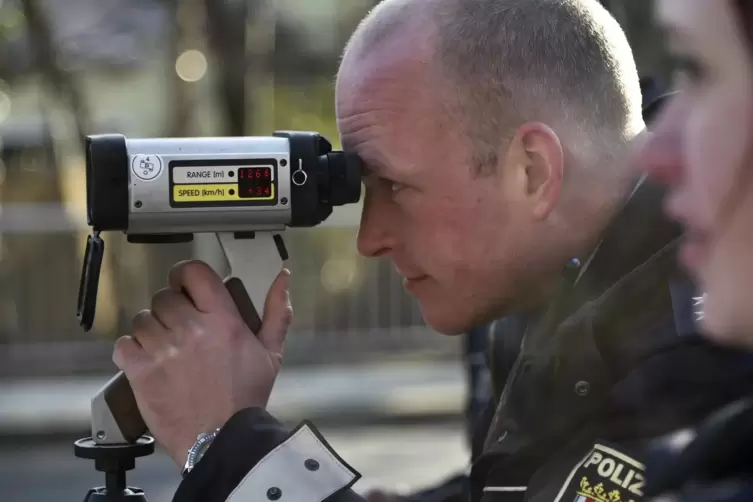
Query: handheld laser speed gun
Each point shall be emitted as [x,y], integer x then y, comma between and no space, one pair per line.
[246,190]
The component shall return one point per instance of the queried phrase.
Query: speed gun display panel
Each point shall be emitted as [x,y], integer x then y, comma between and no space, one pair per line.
[170,188]
[195,183]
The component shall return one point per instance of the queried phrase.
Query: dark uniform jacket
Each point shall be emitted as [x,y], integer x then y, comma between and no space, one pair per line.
[710,463]
[501,349]
[612,362]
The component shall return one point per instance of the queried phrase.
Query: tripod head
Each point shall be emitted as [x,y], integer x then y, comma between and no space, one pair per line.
[114,461]
[118,439]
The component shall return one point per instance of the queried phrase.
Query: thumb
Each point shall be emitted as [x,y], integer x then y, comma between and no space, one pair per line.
[278,313]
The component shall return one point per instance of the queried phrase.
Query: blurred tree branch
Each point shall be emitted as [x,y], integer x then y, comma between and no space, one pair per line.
[48,62]
[182,104]
[226,29]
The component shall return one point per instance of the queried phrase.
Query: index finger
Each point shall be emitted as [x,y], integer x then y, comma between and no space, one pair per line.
[203,286]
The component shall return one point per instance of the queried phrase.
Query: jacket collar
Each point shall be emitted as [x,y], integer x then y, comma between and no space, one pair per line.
[639,231]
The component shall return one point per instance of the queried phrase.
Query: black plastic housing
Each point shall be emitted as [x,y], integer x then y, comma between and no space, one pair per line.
[107,182]
[333,178]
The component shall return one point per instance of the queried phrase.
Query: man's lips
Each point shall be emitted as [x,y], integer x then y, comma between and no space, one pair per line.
[410,283]
[415,277]
[409,275]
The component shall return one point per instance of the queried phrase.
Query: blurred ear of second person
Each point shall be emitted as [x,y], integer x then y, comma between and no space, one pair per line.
[701,147]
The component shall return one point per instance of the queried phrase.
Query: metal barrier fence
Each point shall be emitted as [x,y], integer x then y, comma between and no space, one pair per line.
[346,307]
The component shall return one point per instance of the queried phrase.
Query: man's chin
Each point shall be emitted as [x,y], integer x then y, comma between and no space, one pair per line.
[446,322]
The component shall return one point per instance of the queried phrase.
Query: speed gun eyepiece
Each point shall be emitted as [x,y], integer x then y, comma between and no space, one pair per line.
[159,190]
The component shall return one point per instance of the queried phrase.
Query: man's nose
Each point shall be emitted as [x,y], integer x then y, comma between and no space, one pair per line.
[376,234]
[659,151]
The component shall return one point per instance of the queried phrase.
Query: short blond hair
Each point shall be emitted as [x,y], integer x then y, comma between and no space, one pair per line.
[566,63]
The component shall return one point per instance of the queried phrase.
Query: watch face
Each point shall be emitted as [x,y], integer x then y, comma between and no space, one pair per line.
[199,448]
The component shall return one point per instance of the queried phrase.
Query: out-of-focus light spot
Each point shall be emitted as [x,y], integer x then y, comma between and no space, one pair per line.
[191,66]
[4,102]
[12,22]
[337,275]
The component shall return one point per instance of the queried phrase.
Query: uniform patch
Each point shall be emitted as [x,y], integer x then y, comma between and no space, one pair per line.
[604,475]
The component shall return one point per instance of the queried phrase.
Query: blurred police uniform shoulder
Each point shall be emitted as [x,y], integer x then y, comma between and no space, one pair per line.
[712,463]
[612,362]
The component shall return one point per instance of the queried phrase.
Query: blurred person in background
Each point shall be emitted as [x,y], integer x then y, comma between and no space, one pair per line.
[702,148]
[495,133]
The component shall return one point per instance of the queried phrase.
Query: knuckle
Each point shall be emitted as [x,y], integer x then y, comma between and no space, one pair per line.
[197,267]
[194,330]
[189,269]
[179,267]
[161,299]
[161,357]
[141,320]
[121,343]
[121,352]
[171,352]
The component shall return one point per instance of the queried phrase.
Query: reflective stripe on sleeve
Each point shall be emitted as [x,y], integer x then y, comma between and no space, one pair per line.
[302,469]
[505,488]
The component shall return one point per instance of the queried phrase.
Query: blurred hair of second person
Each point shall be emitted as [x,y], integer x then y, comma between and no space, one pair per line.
[701,146]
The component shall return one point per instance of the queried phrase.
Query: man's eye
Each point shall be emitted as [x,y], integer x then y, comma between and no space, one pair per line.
[382,184]
[396,187]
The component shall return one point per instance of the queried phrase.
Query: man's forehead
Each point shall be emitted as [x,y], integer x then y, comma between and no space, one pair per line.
[381,73]
[381,119]
[382,93]
[374,154]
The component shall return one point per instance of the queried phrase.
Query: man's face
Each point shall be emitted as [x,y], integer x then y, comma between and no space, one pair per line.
[457,238]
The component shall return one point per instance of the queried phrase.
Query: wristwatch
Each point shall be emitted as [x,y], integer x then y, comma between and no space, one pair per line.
[195,452]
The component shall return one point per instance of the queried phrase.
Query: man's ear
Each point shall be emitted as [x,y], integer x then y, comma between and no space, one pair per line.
[535,155]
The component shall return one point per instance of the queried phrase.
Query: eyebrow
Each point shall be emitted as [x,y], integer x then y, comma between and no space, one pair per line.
[372,164]
[372,169]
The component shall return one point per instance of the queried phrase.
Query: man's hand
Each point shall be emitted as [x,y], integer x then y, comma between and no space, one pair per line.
[192,362]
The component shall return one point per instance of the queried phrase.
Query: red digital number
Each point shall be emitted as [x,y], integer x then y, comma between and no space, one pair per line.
[266,191]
